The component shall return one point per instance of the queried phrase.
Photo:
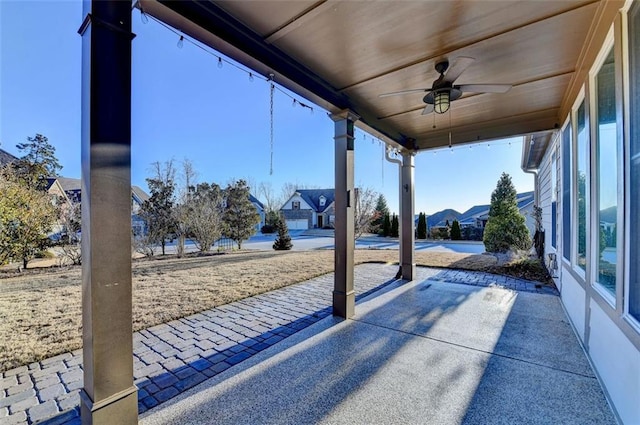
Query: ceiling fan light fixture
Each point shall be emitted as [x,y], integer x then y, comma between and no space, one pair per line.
[441,102]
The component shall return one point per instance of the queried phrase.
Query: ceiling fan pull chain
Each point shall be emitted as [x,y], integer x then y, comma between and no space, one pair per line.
[272,89]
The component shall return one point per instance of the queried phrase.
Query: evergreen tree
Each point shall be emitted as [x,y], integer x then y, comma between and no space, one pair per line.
[386,226]
[380,212]
[37,163]
[422,226]
[395,226]
[456,234]
[240,216]
[157,211]
[283,241]
[506,228]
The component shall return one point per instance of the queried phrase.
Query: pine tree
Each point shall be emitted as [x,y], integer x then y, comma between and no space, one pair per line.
[506,228]
[386,226]
[240,215]
[38,162]
[422,226]
[283,242]
[380,212]
[395,226]
[456,234]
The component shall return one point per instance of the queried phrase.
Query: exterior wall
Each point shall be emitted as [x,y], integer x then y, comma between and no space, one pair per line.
[545,199]
[611,337]
[621,363]
[573,299]
[305,211]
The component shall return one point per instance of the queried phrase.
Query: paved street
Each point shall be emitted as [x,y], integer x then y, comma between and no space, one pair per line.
[172,357]
[305,242]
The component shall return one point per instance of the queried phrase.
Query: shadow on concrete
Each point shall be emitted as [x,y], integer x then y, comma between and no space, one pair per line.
[420,352]
[164,386]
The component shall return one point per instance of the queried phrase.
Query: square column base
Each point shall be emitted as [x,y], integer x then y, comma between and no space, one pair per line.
[119,409]
[408,271]
[344,304]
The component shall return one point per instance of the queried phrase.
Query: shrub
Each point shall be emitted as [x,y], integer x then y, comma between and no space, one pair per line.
[395,227]
[283,242]
[506,228]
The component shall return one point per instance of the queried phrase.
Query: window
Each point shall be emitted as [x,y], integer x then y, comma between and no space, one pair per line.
[323,200]
[566,192]
[554,197]
[295,205]
[634,154]
[607,153]
[582,204]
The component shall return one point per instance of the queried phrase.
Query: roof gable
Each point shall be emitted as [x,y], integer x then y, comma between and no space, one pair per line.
[312,197]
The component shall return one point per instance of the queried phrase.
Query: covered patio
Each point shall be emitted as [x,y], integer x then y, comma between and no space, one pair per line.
[425,351]
[343,56]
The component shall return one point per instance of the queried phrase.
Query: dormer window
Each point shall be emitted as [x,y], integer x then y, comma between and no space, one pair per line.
[323,200]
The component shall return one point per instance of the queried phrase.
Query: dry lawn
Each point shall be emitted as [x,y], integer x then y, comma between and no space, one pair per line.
[40,310]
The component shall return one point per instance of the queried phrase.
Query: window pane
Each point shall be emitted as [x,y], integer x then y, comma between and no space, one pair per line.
[581,183]
[566,193]
[634,184]
[554,188]
[607,174]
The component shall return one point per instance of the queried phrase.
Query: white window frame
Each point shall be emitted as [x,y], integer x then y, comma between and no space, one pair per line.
[574,185]
[633,322]
[593,248]
[568,122]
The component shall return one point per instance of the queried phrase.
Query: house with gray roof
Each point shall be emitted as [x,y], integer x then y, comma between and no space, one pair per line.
[67,189]
[309,208]
[6,158]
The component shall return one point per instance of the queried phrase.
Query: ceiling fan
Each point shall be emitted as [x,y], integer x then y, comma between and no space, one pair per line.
[443,91]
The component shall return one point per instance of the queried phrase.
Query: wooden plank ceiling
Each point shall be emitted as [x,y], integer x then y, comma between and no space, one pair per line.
[344,54]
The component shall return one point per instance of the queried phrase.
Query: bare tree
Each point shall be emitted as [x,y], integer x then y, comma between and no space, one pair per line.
[69,219]
[181,211]
[365,210]
[204,215]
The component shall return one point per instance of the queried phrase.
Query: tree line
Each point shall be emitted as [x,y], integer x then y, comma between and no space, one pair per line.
[203,212]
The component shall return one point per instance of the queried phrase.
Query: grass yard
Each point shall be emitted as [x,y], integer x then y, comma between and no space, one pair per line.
[40,309]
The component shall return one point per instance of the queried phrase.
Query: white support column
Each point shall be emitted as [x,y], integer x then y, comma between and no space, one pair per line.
[109,395]
[344,300]
[407,225]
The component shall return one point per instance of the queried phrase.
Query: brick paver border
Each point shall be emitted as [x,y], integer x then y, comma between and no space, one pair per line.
[175,356]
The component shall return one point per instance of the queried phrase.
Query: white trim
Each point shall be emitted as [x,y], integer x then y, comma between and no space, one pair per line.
[581,99]
[607,47]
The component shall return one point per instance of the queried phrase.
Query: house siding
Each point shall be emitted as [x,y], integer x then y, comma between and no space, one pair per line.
[610,336]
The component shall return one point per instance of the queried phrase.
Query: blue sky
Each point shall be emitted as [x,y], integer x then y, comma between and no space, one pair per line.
[185,106]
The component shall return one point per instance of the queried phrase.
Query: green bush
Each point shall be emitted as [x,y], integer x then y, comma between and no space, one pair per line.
[506,228]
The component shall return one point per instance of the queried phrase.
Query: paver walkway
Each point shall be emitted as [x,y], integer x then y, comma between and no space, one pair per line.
[175,356]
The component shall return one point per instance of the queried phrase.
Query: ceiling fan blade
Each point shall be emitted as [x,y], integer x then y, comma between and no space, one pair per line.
[458,67]
[484,88]
[427,109]
[396,93]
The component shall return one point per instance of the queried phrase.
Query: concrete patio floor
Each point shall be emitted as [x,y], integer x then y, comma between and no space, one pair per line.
[422,352]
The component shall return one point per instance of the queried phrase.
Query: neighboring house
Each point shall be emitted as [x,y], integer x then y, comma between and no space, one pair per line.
[260,208]
[478,215]
[69,190]
[6,158]
[309,208]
